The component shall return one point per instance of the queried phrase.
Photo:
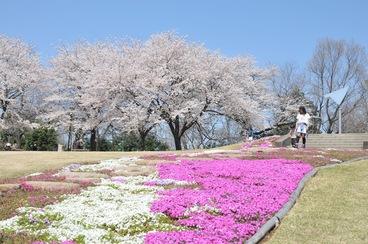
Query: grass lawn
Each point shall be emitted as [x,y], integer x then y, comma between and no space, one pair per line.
[331,209]
[15,164]
[230,147]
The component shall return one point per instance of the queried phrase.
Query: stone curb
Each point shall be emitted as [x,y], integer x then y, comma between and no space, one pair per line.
[275,220]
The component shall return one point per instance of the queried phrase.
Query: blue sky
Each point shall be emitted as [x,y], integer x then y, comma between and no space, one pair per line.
[272,31]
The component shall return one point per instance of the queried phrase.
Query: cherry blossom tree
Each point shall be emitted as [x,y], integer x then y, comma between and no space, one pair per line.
[20,73]
[131,107]
[181,81]
[82,73]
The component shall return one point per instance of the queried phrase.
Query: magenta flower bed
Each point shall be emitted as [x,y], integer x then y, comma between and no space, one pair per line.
[234,198]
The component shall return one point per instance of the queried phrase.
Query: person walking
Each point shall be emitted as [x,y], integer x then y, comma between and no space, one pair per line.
[292,133]
[302,124]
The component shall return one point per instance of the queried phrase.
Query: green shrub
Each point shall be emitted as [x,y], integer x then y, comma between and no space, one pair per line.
[41,139]
[132,142]
[129,142]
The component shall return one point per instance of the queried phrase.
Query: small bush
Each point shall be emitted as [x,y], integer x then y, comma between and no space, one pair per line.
[41,139]
[132,142]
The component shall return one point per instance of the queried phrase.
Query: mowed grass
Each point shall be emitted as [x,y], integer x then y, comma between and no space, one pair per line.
[331,209]
[236,146]
[16,164]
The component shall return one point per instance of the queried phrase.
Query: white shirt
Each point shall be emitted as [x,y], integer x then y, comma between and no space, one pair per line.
[303,118]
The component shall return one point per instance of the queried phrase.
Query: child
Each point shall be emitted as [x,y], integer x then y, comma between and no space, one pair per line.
[302,124]
[293,135]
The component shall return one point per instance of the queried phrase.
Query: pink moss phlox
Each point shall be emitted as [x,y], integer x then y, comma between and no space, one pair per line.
[150,183]
[247,145]
[26,187]
[39,200]
[265,142]
[68,242]
[118,179]
[236,197]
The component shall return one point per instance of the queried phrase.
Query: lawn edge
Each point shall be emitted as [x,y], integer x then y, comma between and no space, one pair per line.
[276,219]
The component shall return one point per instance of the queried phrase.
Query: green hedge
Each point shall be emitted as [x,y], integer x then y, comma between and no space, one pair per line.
[41,139]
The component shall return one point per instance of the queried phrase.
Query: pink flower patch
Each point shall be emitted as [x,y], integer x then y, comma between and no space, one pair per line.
[118,179]
[26,187]
[167,156]
[68,242]
[247,145]
[266,144]
[242,194]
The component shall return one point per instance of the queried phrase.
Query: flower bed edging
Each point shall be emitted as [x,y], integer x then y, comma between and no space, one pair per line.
[275,220]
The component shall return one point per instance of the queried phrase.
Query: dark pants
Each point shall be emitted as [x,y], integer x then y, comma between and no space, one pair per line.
[294,142]
[303,139]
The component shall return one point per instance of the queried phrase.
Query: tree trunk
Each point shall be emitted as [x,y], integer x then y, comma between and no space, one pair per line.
[69,143]
[4,107]
[142,138]
[178,131]
[18,139]
[93,143]
[143,133]
[177,140]
[98,141]
[142,142]
[175,131]
[330,127]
